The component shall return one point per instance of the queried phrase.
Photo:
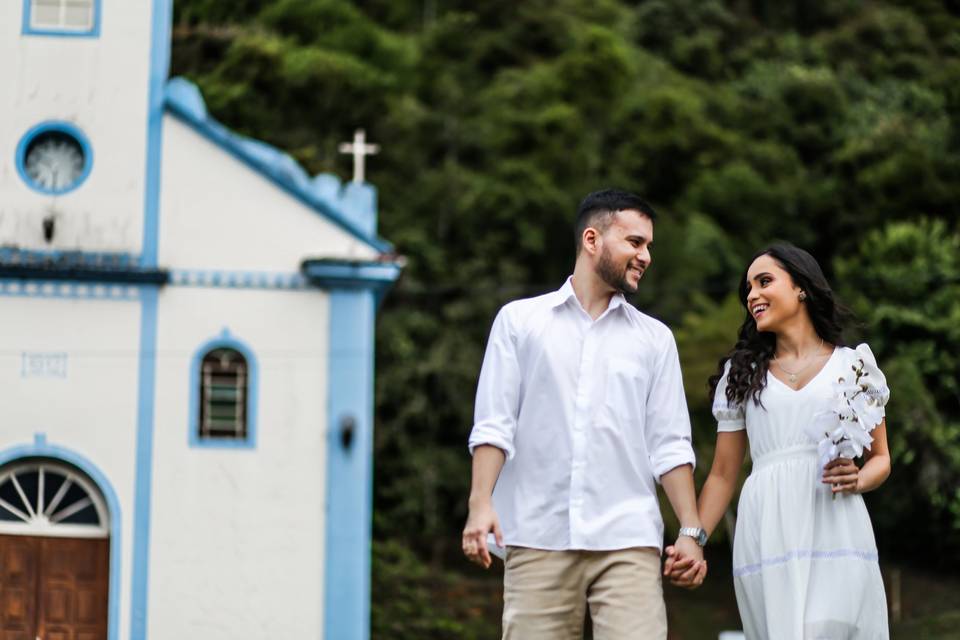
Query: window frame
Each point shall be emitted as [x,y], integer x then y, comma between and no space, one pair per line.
[54,126]
[29,30]
[223,341]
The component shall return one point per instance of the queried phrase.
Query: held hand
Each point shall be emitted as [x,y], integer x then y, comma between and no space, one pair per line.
[843,475]
[481,520]
[685,564]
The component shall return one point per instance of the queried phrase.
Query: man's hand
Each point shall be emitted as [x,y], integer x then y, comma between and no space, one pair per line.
[481,520]
[685,564]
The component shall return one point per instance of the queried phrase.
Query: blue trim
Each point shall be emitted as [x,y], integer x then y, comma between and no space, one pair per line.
[67,290]
[343,274]
[332,273]
[146,388]
[184,101]
[238,279]
[27,30]
[71,257]
[58,126]
[224,340]
[161,21]
[349,471]
[41,449]
[159,68]
[85,274]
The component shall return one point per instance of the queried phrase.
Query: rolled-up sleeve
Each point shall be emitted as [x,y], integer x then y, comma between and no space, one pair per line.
[498,390]
[667,428]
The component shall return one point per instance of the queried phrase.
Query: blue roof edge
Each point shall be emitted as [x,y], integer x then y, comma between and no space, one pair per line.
[351,206]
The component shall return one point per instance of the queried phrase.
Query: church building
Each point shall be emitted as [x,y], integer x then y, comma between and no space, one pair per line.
[186,352]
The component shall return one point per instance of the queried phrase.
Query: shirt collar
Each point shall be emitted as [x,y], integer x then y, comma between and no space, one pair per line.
[564,293]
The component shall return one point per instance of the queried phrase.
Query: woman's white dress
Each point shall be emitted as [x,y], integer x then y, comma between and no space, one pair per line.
[805,565]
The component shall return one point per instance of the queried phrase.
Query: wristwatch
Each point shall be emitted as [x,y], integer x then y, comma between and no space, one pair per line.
[696,533]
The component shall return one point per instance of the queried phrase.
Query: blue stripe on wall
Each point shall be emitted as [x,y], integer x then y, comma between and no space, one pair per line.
[159,68]
[349,471]
[144,460]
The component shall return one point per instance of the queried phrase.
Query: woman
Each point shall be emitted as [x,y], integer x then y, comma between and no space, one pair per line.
[804,560]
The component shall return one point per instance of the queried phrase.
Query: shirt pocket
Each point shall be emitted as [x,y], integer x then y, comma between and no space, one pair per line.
[625,390]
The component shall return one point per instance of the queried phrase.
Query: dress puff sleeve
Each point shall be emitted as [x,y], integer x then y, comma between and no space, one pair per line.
[729,415]
[872,381]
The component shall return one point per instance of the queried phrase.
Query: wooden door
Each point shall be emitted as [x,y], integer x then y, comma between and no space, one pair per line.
[64,588]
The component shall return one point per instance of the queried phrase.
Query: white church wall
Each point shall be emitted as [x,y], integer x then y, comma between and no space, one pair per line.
[68,370]
[238,533]
[97,85]
[219,214]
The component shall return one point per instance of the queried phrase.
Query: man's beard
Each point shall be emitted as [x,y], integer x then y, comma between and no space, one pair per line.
[613,275]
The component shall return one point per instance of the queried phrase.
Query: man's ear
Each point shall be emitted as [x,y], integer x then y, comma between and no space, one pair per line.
[590,240]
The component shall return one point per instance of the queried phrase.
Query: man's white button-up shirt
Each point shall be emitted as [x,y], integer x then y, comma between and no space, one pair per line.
[590,414]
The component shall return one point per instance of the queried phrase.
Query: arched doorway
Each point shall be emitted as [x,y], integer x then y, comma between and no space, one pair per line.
[54,553]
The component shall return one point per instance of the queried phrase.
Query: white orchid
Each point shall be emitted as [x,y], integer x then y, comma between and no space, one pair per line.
[869,368]
[856,408]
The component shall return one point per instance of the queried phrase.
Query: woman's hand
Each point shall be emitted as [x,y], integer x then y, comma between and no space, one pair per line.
[684,564]
[843,476]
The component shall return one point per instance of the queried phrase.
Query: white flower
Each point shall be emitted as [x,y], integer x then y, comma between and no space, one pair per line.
[867,409]
[871,375]
[849,449]
[822,425]
[827,451]
[854,439]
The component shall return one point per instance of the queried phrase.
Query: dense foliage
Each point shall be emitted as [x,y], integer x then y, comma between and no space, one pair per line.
[835,125]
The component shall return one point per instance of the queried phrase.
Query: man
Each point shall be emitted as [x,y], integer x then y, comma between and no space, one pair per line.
[579,411]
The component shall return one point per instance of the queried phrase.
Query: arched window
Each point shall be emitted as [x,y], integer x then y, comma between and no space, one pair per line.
[223,394]
[224,383]
[50,499]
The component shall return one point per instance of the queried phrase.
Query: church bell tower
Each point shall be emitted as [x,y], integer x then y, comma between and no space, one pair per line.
[80,128]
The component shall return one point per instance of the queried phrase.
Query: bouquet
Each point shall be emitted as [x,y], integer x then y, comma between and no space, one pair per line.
[857,407]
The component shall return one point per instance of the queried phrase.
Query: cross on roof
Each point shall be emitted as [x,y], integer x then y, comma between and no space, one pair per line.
[359,149]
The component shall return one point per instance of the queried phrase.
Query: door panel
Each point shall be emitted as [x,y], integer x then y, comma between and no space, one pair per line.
[73,589]
[18,587]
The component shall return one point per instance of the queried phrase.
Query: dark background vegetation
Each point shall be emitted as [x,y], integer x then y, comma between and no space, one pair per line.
[835,125]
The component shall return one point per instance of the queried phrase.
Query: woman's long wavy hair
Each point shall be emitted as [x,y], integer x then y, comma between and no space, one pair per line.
[750,356]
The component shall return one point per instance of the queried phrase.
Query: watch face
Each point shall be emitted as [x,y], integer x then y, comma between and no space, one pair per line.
[54,161]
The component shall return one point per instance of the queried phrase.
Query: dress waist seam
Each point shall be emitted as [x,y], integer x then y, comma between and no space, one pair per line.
[798,452]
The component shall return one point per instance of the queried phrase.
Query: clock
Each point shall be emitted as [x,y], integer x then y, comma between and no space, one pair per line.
[54,160]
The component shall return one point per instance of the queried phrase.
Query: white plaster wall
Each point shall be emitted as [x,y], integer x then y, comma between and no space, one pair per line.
[93,410]
[217,213]
[238,535]
[99,85]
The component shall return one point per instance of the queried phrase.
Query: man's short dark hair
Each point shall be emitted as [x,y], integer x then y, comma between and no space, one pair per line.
[598,208]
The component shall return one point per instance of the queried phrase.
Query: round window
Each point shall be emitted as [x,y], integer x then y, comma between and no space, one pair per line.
[54,158]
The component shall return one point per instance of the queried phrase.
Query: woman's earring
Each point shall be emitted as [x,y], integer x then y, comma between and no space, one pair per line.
[802,296]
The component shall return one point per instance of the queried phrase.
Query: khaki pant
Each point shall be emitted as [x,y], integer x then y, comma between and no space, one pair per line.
[545,594]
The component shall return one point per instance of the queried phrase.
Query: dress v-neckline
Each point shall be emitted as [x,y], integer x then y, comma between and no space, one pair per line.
[811,380]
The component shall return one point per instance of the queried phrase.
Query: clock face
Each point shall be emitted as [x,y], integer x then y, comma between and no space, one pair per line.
[54,161]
